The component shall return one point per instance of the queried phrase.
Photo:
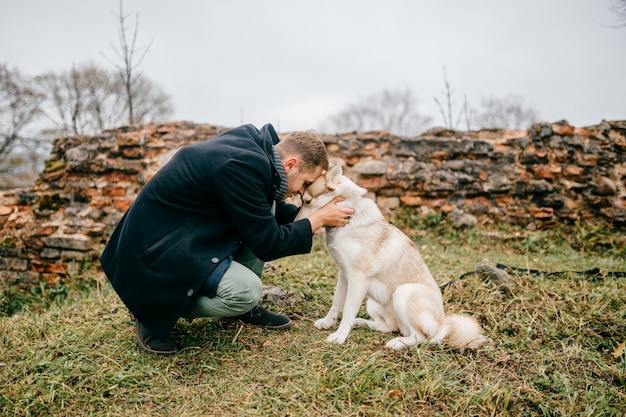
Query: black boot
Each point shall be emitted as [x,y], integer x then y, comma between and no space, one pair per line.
[151,344]
[259,316]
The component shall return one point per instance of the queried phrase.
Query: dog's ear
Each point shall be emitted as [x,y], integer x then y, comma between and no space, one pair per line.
[335,170]
[333,176]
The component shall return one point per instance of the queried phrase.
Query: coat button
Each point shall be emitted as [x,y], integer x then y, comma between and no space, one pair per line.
[189,292]
[215,259]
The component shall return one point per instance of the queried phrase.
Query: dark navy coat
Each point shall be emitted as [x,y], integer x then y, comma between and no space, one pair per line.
[208,201]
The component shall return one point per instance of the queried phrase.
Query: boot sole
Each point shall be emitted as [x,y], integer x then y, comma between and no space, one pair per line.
[145,347]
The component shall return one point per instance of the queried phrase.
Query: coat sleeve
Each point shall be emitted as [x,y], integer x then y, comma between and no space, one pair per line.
[286,213]
[244,188]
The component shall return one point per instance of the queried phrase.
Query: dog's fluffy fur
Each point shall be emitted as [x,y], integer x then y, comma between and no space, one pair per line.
[377,260]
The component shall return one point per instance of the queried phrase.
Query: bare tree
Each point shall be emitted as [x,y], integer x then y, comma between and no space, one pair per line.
[151,102]
[446,107]
[391,110]
[447,93]
[509,112]
[73,100]
[19,107]
[85,100]
[130,56]
[619,8]
[88,100]
[104,98]
[467,113]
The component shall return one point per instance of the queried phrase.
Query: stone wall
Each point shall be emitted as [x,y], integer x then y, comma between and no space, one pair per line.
[549,174]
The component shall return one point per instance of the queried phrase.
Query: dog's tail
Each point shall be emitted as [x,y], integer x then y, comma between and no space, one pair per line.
[460,332]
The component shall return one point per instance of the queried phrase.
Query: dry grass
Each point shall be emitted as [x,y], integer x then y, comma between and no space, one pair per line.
[552,350]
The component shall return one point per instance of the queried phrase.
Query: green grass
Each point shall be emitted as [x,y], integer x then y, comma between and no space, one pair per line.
[552,349]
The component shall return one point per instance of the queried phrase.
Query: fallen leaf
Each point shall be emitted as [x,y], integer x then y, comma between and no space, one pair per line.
[619,350]
[394,393]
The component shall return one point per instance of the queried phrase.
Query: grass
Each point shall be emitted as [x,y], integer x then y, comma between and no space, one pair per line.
[553,349]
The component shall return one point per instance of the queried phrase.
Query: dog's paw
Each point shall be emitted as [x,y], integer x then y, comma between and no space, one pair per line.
[336,338]
[324,323]
[358,322]
[398,343]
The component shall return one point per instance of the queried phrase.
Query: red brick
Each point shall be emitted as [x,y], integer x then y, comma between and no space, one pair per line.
[438,157]
[372,183]
[411,200]
[477,202]
[447,208]
[51,279]
[120,177]
[101,202]
[563,130]
[516,212]
[122,205]
[54,268]
[44,231]
[89,192]
[133,153]
[504,200]
[114,192]
[582,131]
[589,160]
[547,171]
[436,202]
[541,212]
[573,171]
[332,147]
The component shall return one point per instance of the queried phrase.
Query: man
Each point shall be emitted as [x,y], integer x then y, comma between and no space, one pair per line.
[194,241]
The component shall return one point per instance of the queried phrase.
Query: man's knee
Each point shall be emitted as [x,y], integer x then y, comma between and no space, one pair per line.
[246,299]
[242,290]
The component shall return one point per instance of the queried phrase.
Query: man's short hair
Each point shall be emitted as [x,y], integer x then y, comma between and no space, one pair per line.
[307,146]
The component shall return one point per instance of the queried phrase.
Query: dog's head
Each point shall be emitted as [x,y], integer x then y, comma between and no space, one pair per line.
[324,184]
[325,188]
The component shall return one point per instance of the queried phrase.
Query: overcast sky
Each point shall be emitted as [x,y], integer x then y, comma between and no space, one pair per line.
[294,63]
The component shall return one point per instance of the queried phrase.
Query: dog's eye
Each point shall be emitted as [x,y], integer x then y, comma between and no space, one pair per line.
[307,202]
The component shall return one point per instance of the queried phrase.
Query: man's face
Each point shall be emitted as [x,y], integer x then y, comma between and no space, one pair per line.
[298,180]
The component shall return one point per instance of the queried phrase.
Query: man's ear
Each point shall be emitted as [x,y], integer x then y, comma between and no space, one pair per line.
[290,163]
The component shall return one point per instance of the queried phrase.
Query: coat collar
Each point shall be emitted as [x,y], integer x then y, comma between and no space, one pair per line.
[269,138]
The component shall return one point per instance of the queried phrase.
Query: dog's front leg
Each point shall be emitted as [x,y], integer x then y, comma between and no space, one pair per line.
[338,301]
[356,290]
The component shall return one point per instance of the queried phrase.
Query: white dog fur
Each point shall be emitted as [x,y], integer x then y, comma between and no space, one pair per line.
[377,260]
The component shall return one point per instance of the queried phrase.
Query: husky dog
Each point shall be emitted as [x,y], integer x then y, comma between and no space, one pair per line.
[376,259]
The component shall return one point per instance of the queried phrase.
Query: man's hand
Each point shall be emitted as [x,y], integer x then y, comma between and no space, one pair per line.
[331,215]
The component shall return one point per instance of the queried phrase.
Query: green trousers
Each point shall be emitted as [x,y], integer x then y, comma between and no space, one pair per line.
[237,293]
